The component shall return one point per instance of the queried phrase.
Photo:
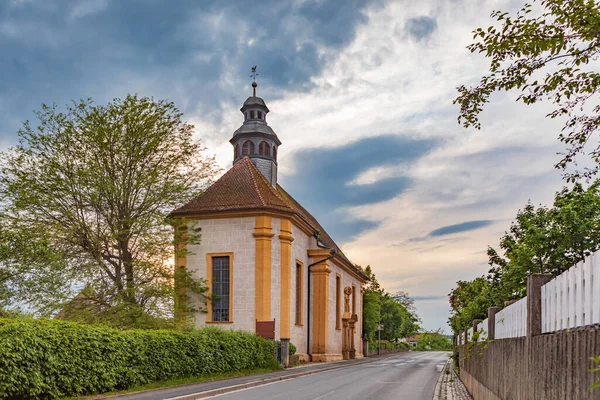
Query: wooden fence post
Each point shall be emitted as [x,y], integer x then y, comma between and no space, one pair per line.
[534,302]
[492,311]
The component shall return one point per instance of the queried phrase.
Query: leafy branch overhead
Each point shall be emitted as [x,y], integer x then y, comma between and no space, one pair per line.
[551,57]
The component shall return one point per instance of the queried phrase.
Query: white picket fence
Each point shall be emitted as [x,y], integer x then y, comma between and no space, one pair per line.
[511,321]
[483,329]
[572,299]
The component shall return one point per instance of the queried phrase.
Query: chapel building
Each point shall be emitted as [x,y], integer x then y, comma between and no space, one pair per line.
[267,260]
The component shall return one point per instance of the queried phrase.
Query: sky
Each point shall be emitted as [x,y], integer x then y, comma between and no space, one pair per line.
[360,93]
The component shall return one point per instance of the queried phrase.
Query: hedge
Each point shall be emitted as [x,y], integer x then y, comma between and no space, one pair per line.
[54,359]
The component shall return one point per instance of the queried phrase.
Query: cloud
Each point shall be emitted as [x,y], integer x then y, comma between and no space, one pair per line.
[321,184]
[462,227]
[433,297]
[197,54]
[422,27]
[361,97]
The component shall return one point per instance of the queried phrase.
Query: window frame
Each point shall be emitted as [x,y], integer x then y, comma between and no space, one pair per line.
[353,299]
[299,306]
[251,148]
[264,144]
[209,269]
[338,303]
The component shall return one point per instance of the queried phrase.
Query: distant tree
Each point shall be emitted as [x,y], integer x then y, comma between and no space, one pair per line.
[372,282]
[435,341]
[380,307]
[85,201]
[404,298]
[540,240]
[544,57]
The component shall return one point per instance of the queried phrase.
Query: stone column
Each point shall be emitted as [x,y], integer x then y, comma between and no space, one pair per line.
[320,304]
[365,347]
[534,303]
[262,268]
[492,311]
[352,334]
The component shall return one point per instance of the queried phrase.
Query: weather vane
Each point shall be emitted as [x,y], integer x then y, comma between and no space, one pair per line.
[253,75]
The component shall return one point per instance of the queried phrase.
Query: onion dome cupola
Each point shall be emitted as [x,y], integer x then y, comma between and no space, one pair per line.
[255,139]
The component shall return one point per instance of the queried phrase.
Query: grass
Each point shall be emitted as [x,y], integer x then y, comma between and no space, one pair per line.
[180,382]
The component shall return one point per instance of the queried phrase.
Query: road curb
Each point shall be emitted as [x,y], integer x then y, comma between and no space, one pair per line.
[247,385]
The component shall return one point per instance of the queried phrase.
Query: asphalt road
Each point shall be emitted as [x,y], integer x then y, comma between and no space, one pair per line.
[407,376]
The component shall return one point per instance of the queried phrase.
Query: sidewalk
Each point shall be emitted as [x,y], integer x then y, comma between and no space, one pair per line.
[212,388]
[449,385]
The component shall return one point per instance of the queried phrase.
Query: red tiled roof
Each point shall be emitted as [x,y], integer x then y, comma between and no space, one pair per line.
[243,187]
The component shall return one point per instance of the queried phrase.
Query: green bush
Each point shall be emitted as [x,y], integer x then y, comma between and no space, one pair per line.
[292,348]
[387,345]
[53,359]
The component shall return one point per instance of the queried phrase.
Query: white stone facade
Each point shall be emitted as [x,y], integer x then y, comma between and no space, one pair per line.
[235,235]
[224,235]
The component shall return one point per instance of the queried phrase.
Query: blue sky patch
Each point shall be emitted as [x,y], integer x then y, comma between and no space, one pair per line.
[321,183]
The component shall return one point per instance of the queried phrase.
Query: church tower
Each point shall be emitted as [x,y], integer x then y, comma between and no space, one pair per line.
[255,139]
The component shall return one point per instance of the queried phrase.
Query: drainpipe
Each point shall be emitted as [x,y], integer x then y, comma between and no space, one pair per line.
[333,253]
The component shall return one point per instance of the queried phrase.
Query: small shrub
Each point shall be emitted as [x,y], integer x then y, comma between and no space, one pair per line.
[596,385]
[292,348]
[55,359]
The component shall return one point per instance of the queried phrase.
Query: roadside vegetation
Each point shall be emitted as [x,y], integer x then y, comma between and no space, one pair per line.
[433,341]
[56,359]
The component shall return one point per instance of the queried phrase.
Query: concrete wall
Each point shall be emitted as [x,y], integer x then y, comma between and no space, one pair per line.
[228,235]
[544,367]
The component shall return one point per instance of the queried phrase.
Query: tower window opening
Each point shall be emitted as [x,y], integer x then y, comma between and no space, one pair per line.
[264,149]
[248,148]
[236,151]
[260,115]
[252,114]
[275,153]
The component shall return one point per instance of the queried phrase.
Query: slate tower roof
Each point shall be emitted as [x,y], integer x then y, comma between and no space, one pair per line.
[256,139]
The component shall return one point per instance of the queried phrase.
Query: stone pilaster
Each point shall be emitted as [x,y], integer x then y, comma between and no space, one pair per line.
[262,268]
[320,304]
[286,240]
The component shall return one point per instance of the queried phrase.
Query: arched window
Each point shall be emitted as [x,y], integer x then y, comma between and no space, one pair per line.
[264,149]
[236,151]
[274,153]
[248,148]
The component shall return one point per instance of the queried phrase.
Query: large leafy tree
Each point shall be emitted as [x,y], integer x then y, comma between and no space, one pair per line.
[545,56]
[86,196]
